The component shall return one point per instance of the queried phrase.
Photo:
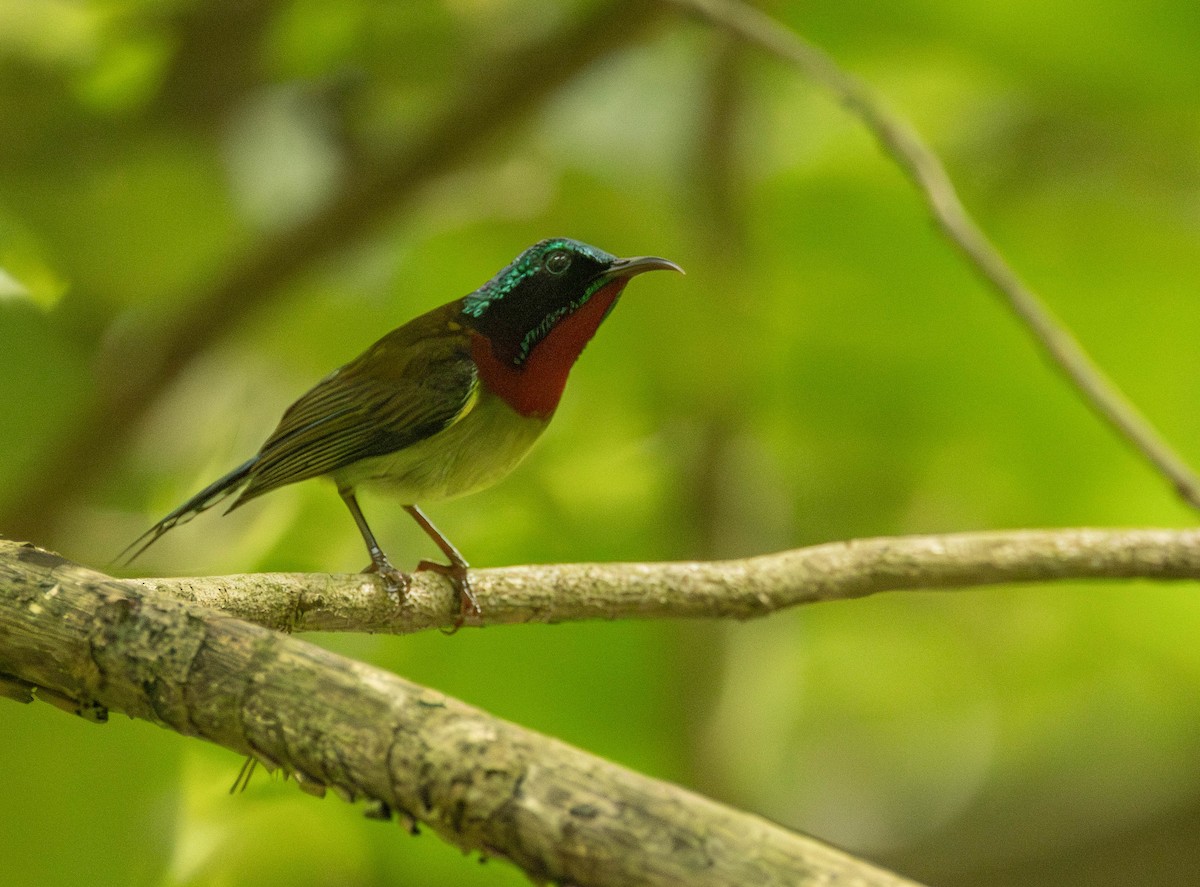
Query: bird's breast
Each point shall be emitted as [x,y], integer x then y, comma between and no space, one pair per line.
[473,453]
[535,388]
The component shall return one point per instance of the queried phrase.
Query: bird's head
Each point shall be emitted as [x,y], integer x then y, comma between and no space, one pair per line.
[558,289]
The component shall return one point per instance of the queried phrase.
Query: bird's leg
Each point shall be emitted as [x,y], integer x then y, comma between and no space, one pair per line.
[397,581]
[455,571]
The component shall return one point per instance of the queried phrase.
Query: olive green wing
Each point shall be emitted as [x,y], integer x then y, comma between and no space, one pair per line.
[405,388]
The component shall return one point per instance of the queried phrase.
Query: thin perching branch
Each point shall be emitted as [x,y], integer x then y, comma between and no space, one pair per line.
[91,644]
[737,589]
[922,166]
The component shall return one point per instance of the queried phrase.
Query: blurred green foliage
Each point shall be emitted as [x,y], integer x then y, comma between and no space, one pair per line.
[828,369]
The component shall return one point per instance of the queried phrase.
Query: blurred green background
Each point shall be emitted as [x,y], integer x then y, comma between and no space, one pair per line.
[206,206]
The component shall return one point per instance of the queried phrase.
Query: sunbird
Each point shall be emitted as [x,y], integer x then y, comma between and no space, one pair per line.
[444,405]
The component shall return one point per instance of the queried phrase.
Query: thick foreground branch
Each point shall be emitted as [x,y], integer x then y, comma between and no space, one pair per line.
[738,589]
[91,644]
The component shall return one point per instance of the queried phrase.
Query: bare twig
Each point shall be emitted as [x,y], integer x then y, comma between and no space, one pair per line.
[93,644]
[738,589]
[927,173]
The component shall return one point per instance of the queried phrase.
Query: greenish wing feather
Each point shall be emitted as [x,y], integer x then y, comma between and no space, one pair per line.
[377,404]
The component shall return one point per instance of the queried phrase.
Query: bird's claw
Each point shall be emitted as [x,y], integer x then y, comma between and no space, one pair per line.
[461,580]
[396,582]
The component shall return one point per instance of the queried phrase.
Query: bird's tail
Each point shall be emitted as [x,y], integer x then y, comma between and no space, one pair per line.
[218,490]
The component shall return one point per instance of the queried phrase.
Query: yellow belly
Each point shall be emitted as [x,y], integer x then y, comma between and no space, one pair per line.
[473,453]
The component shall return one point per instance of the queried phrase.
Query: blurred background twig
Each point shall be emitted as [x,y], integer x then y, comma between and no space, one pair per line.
[928,174]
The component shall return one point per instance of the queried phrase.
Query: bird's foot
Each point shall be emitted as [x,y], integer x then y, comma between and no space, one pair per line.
[461,580]
[395,581]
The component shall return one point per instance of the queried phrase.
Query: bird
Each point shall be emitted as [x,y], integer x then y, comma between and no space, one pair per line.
[442,406]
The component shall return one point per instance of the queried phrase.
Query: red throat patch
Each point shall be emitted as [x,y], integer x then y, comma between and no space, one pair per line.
[534,389]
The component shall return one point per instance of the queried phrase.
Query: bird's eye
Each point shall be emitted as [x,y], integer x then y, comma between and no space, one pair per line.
[558,261]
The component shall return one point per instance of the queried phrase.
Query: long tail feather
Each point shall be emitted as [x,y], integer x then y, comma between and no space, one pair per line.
[208,497]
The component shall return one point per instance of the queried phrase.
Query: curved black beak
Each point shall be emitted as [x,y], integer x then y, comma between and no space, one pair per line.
[629,267]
